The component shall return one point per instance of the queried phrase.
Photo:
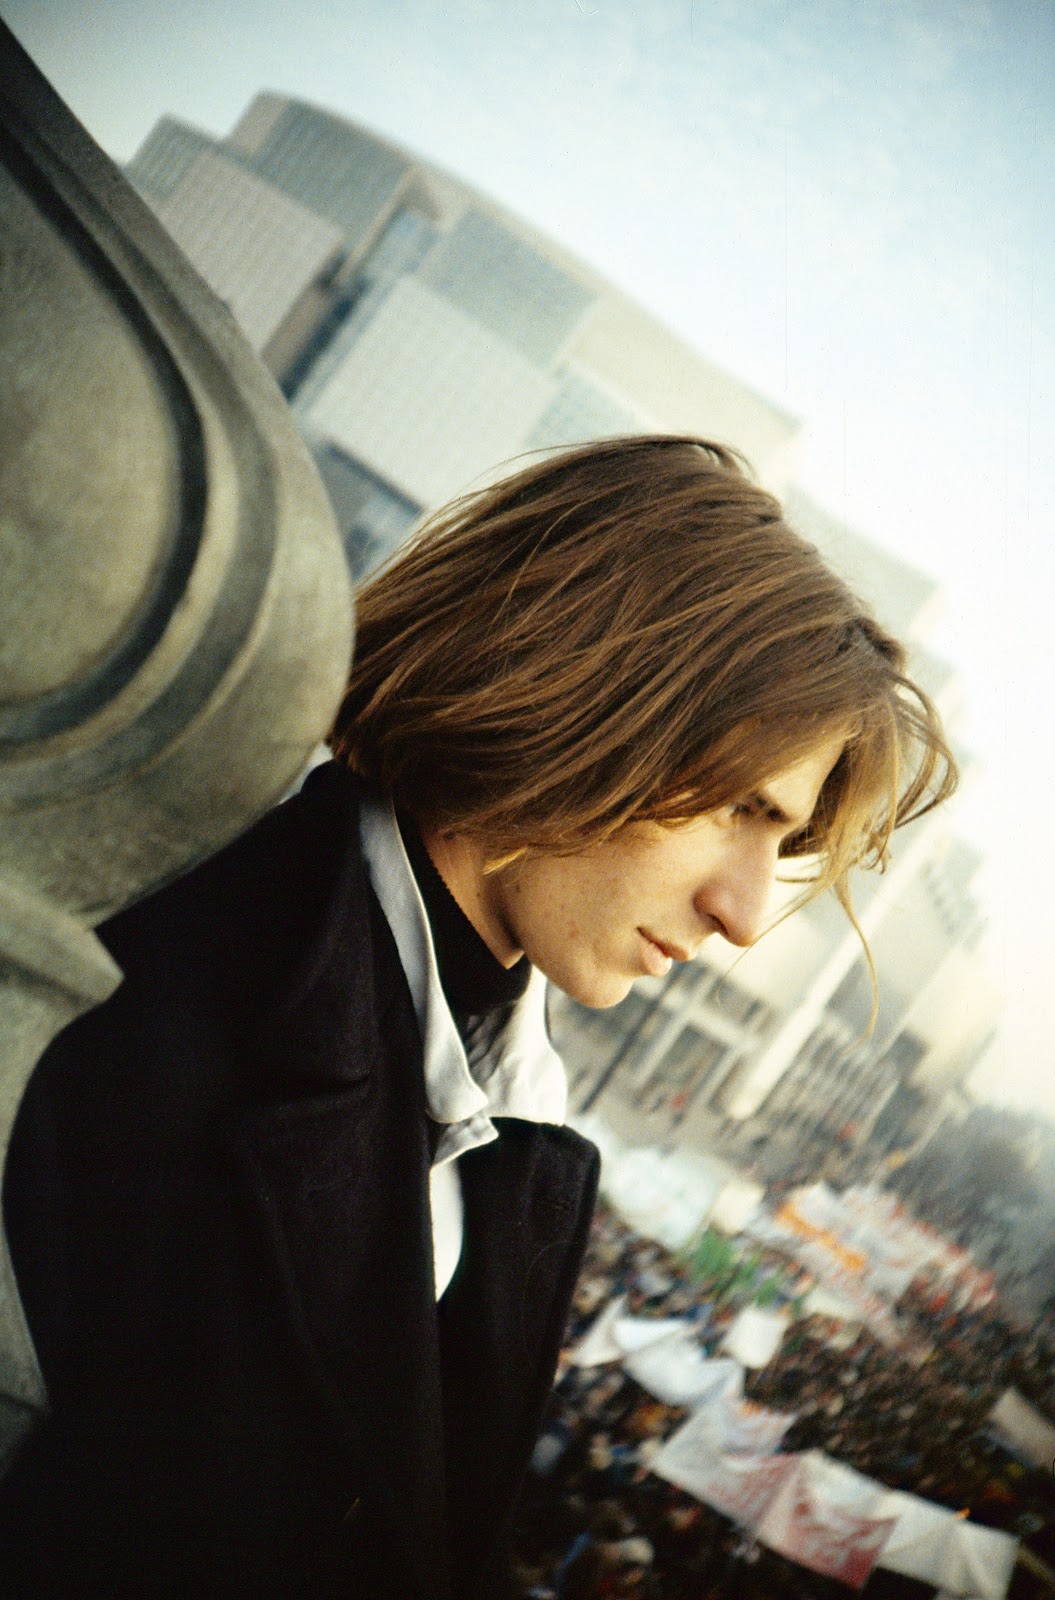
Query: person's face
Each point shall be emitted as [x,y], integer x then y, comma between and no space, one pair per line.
[596,920]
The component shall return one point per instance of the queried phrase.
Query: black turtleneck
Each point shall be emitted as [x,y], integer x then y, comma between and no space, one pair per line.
[479,989]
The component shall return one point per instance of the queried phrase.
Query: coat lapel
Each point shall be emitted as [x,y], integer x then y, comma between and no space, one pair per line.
[334,1156]
[340,1188]
[336,1164]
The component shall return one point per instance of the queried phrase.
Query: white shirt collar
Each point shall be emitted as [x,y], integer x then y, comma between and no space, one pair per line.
[525,1075]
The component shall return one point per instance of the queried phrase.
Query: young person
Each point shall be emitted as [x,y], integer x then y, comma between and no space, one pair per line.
[294,1215]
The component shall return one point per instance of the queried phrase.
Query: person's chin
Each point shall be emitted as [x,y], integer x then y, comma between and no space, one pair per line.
[602,991]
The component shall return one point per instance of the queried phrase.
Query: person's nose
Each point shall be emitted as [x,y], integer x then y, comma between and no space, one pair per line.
[736,896]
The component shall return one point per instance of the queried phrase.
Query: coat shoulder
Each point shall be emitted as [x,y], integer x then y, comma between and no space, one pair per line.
[249,917]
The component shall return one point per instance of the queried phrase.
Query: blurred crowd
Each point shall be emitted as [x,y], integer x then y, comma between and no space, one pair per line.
[596,1524]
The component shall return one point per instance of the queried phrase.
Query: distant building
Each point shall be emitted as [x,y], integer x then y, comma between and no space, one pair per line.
[425,337]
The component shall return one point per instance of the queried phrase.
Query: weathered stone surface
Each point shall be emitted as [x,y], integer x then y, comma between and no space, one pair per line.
[175,618]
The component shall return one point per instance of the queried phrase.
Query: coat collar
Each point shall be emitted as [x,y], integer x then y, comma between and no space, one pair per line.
[526,1076]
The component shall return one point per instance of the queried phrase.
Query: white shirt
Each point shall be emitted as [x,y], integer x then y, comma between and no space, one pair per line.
[521,1076]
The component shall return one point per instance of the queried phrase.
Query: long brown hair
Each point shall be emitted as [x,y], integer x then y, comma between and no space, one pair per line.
[630,630]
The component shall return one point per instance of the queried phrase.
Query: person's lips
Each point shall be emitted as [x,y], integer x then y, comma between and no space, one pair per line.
[658,956]
[673,952]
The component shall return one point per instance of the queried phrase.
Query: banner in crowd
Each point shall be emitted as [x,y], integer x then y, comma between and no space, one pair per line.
[740,1487]
[736,1205]
[804,1526]
[935,1546]
[772,1497]
[613,1336]
[727,1425]
[1027,1432]
[667,1195]
[661,1353]
[824,1515]
[598,1343]
[744,1428]
[865,1234]
[754,1335]
[677,1372]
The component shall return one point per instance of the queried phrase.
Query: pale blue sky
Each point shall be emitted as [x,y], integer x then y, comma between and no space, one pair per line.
[853,208]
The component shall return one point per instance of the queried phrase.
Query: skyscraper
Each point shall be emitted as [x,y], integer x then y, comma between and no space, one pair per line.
[422,335]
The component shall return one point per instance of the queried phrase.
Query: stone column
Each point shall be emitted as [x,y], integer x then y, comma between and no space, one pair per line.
[175,615]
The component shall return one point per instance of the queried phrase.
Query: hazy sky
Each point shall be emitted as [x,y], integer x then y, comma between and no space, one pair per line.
[852,208]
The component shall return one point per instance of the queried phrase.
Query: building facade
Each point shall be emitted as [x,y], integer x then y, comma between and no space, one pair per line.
[423,336]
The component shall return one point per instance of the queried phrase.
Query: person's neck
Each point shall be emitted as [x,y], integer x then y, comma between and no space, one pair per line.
[460,862]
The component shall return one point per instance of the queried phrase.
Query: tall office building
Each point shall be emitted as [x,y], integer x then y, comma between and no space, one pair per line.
[424,338]
[422,335]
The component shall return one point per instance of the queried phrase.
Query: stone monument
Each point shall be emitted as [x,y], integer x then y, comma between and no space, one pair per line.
[175,613]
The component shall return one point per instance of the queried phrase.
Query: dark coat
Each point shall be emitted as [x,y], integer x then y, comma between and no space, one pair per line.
[217,1204]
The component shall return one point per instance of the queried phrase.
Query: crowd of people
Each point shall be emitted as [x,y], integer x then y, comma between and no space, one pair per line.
[597,1524]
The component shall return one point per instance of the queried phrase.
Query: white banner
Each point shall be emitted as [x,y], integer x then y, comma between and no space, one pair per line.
[835,1520]
[936,1546]
[1025,1430]
[677,1372]
[747,1429]
[740,1487]
[612,1335]
[597,1344]
[801,1525]
[728,1426]
[753,1337]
